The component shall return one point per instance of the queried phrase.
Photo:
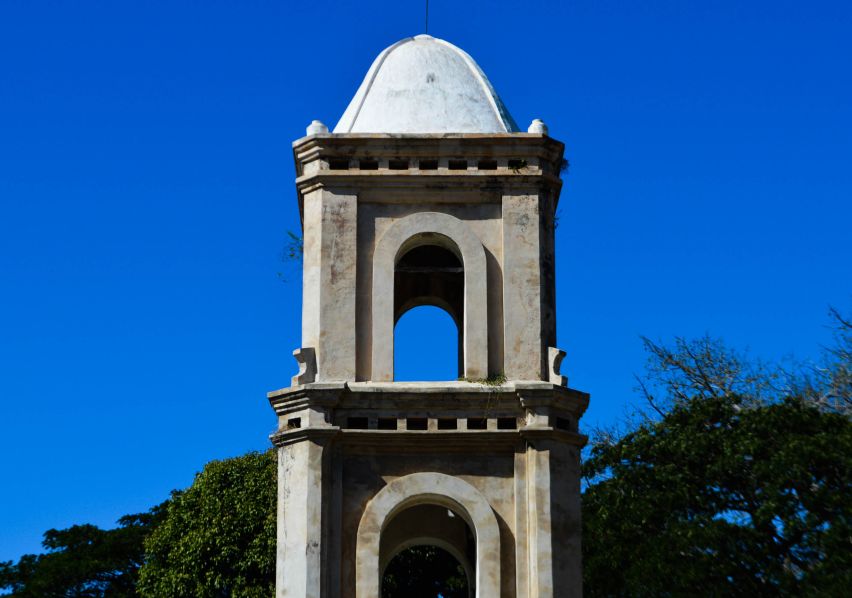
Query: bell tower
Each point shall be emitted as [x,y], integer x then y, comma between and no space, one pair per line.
[426,193]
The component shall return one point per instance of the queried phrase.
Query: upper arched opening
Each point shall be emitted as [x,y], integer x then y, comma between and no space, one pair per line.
[429,274]
[430,258]
[426,346]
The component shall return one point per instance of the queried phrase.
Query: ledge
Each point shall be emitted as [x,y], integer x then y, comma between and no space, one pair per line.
[428,440]
[417,388]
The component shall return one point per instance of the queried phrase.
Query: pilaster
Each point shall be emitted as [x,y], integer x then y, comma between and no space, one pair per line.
[300,533]
[328,305]
[305,478]
[522,336]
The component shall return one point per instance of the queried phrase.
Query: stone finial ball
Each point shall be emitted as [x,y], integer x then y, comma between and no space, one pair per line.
[537,126]
[316,128]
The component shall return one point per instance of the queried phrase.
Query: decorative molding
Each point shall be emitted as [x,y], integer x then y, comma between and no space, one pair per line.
[554,366]
[307,359]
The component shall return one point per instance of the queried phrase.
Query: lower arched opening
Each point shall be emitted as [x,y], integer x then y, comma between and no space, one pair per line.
[429,509]
[426,551]
[425,571]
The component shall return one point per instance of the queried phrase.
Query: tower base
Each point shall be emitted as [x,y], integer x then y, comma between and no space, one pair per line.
[488,473]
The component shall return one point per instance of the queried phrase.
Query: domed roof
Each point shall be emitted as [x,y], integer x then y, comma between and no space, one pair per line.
[425,85]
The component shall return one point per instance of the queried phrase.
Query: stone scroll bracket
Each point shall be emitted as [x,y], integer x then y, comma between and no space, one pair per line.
[307,359]
[554,366]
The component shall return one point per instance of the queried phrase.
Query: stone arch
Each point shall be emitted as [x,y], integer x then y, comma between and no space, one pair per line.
[420,229]
[428,488]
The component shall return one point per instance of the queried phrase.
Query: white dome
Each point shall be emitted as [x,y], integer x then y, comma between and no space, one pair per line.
[425,85]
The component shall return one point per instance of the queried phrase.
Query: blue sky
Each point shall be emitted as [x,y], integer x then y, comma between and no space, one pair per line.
[146,187]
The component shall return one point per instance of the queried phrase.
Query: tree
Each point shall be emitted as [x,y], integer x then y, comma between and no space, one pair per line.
[729,484]
[722,499]
[705,367]
[736,481]
[83,561]
[217,538]
[829,383]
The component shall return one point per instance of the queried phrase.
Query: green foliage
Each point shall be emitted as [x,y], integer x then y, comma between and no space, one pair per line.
[294,248]
[496,380]
[722,499]
[291,255]
[83,561]
[217,538]
[424,572]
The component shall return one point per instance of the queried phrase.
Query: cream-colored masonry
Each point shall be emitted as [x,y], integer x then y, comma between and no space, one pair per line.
[369,466]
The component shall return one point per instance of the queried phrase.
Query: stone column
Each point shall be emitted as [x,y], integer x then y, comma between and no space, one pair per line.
[300,526]
[522,335]
[553,488]
[566,525]
[328,302]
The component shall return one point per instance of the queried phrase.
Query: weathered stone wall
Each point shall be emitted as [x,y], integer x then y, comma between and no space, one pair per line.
[357,449]
[354,189]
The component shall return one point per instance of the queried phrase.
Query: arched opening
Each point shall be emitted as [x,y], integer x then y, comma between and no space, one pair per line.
[426,345]
[434,509]
[425,571]
[428,272]
[427,550]
[447,269]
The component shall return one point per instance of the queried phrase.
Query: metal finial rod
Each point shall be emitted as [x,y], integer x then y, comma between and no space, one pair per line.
[426,28]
